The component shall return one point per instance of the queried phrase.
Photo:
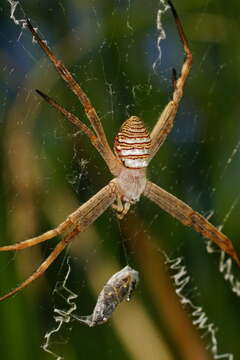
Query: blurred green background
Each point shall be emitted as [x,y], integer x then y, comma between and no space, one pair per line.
[48,169]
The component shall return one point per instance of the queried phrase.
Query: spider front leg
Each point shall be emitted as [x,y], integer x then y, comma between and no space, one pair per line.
[112,163]
[165,123]
[90,111]
[188,217]
[38,239]
[45,264]
[76,222]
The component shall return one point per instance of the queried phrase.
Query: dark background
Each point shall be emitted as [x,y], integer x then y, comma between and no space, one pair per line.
[48,169]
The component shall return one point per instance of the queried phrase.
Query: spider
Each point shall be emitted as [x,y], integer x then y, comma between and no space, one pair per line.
[134,148]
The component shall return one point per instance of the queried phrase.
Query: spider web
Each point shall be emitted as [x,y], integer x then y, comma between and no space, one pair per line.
[141,86]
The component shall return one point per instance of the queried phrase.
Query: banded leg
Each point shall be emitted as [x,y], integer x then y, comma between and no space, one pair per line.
[78,91]
[78,221]
[44,265]
[188,217]
[38,239]
[75,120]
[165,122]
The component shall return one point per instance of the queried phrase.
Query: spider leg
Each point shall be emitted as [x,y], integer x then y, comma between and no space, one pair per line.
[79,219]
[75,120]
[78,91]
[188,217]
[72,118]
[45,264]
[38,239]
[165,122]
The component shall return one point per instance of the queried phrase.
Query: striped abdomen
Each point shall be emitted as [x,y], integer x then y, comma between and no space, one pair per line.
[132,144]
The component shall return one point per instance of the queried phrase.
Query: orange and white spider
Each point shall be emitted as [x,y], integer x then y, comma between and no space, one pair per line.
[134,148]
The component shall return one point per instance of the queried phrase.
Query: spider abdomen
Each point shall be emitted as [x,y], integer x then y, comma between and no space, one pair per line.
[132,144]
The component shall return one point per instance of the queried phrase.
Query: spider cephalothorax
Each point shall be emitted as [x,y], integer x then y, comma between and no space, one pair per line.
[134,148]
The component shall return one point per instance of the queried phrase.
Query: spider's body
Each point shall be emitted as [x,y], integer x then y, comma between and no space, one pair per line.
[133,148]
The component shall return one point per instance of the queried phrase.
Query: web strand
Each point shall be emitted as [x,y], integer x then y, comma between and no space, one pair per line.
[163,7]
[199,318]
[63,316]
